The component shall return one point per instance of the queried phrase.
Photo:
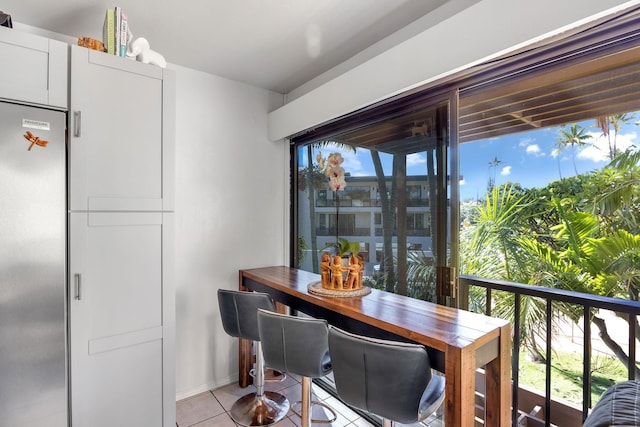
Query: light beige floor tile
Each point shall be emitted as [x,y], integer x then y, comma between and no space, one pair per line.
[222,420]
[285,422]
[341,408]
[281,385]
[197,408]
[200,408]
[360,422]
[320,392]
[228,395]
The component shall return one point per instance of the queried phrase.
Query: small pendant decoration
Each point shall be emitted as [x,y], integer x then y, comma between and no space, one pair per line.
[35,140]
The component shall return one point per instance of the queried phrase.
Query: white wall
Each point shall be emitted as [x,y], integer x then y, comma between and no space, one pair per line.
[231,213]
[482,31]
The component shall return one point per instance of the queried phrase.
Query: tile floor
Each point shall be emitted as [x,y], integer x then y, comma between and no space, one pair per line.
[210,409]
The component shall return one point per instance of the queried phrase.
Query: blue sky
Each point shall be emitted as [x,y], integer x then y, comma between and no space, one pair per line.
[532,158]
[528,158]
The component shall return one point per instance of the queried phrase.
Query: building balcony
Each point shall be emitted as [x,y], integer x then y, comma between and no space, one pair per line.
[345,232]
[366,203]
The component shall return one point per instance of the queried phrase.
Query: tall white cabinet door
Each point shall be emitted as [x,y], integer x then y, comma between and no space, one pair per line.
[120,147]
[120,338]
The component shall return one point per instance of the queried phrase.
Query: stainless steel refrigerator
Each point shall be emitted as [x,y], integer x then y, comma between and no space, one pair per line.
[33,362]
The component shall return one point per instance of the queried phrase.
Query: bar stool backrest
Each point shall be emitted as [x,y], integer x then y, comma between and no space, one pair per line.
[295,344]
[239,312]
[386,378]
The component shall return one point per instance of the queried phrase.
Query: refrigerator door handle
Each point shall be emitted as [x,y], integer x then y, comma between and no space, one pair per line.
[77,125]
[78,286]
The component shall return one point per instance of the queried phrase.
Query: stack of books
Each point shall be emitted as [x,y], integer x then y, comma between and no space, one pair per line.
[115,32]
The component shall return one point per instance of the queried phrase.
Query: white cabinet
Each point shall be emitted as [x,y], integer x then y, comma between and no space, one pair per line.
[120,336]
[121,134]
[121,302]
[33,69]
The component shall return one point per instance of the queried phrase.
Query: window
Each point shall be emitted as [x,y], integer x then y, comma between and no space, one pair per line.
[424,141]
[510,121]
[377,219]
[322,198]
[399,158]
[414,192]
[359,195]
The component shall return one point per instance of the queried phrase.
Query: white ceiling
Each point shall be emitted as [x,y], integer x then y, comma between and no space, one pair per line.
[273,44]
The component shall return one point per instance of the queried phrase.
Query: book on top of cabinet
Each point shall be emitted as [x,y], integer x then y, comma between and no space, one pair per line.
[118,18]
[123,35]
[108,32]
[115,32]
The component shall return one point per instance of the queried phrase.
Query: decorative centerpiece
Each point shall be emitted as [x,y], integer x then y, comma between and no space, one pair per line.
[341,273]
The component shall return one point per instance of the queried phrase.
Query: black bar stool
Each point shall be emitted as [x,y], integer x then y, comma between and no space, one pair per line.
[239,312]
[300,346]
[387,378]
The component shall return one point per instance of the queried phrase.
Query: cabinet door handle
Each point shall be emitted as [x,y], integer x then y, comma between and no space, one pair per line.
[77,279]
[77,125]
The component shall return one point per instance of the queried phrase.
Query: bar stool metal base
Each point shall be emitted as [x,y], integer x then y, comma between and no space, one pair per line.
[306,405]
[275,376]
[298,412]
[252,411]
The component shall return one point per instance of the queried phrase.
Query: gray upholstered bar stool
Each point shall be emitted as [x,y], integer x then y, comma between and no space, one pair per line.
[390,379]
[239,312]
[300,346]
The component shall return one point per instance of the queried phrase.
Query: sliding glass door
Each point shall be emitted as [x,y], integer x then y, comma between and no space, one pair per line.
[397,200]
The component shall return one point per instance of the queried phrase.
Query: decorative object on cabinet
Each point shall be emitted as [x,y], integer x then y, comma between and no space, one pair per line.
[91,44]
[116,32]
[5,20]
[141,50]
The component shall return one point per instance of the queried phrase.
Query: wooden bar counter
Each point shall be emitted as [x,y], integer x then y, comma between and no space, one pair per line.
[458,341]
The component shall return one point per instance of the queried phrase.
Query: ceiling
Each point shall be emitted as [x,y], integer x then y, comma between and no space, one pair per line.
[587,75]
[272,44]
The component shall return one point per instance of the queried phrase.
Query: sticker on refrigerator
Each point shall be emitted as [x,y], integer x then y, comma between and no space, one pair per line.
[35,140]
[35,124]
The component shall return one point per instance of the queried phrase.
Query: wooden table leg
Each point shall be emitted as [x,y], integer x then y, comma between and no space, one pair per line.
[460,387]
[245,364]
[468,387]
[498,378]
[245,349]
[245,352]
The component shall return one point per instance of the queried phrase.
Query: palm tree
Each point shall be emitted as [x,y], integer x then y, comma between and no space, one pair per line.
[615,120]
[314,179]
[590,262]
[576,136]
[495,251]
[499,220]
[387,207]
[619,189]
[492,180]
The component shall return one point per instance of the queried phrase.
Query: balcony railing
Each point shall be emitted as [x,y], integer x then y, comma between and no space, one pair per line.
[344,202]
[412,232]
[343,232]
[587,303]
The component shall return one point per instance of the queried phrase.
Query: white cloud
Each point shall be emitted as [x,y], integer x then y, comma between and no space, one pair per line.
[598,150]
[505,171]
[416,159]
[534,150]
[526,142]
[352,164]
